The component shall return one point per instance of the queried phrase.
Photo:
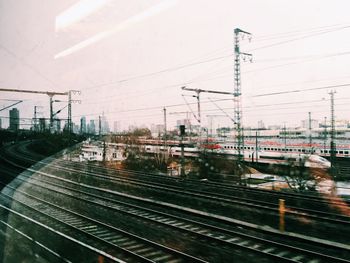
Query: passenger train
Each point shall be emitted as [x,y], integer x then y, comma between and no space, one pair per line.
[270,155]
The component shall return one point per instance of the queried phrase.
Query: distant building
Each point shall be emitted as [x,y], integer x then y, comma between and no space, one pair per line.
[274,127]
[185,122]
[92,127]
[14,119]
[341,124]
[157,129]
[116,127]
[305,124]
[57,125]
[75,128]
[104,125]
[0,123]
[133,127]
[261,125]
[82,125]
[42,124]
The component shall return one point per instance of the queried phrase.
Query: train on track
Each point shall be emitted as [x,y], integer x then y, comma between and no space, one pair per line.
[263,154]
[250,155]
[269,154]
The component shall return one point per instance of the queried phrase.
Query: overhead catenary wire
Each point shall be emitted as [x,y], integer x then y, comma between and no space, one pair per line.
[214,58]
[231,74]
[198,79]
[247,108]
[301,90]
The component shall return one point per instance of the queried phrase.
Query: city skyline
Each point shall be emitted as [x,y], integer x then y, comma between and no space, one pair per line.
[140,65]
[91,126]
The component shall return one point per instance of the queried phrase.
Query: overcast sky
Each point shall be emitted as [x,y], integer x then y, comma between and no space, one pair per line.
[131,58]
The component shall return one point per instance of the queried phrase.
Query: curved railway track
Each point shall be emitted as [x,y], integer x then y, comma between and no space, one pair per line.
[269,195]
[68,188]
[300,200]
[247,202]
[261,246]
[295,213]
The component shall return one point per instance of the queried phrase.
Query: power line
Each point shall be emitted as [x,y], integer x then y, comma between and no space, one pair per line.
[230,75]
[149,108]
[8,51]
[215,58]
[301,90]
[259,95]
[300,38]
[296,32]
[250,108]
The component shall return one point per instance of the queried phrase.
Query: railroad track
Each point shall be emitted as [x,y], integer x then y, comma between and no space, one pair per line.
[319,215]
[274,250]
[272,195]
[270,210]
[227,238]
[106,239]
[293,199]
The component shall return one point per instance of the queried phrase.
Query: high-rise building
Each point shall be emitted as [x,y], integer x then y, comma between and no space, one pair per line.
[75,128]
[82,125]
[306,123]
[14,119]
[0,123]
[104,125]
[92,127]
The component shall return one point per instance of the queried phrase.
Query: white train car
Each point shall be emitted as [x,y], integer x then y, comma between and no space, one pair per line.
[277,155]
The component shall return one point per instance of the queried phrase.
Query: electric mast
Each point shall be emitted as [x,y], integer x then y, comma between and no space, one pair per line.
[238,33]
[333,145]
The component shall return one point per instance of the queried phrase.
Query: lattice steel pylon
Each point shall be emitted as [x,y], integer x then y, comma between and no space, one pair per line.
[70,102]
[238,33]
[333,134]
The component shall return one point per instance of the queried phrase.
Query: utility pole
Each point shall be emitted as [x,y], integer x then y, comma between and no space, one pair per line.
[99,126]
[198,117]
[35,120]
[51,113]
[35,124]
[70,128]
[198,91]
[70,102]
[285,137]
[310,136]
[182,134]
[188,120]
[49,93]
[104,151]
[325,135]
[333,144]
[165,131]
[256,146]
[237,94]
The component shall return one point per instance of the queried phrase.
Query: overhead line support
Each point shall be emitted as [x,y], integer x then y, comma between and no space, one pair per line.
[237,94]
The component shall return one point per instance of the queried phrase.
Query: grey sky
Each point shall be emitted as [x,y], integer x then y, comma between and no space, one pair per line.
[151,36]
